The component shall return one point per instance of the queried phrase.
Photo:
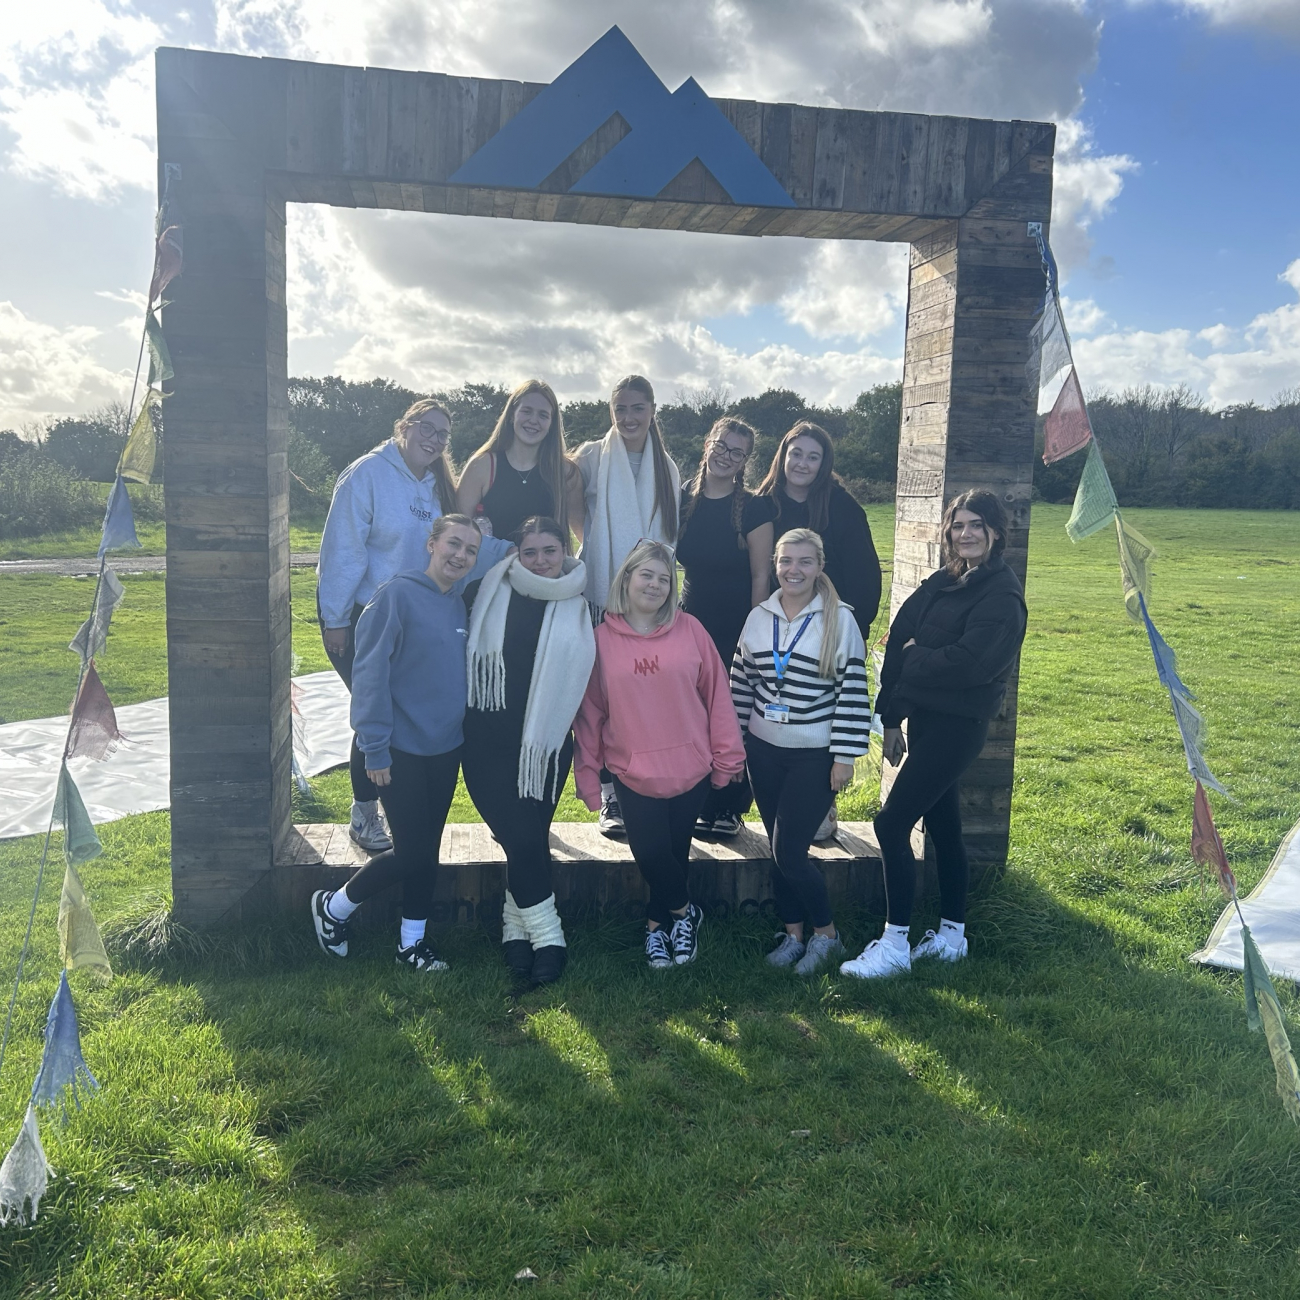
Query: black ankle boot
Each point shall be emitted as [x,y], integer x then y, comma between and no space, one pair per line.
[519,959]
[548,963]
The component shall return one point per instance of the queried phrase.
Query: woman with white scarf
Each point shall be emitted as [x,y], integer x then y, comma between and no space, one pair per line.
[530,652]
[629,493]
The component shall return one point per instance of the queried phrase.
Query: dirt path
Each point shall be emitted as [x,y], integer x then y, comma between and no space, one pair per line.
[89,564]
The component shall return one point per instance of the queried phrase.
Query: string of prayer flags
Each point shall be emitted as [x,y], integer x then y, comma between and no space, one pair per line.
[141,450]
[80,843]
[81,946]
[1207,847]
[1264,1012]
[92,635]
[93,733]
[160,359]
[1067,428]
[24,1176]
[1135,556]
[1049,351]
[1094,502]
[169,258]
[119,520]
[64,1072]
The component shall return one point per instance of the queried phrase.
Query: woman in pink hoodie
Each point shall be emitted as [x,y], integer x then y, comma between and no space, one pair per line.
[658,715]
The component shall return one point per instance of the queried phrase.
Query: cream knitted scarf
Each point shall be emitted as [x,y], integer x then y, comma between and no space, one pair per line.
[566,650]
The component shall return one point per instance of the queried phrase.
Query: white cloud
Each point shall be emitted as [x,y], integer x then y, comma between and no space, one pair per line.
[47,371]
[1085,186]
[1281,17]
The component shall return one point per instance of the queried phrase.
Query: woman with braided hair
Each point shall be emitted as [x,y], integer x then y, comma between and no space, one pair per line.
[725,550]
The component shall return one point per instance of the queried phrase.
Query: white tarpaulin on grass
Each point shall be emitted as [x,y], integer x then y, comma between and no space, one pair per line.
[134,779]
[1273,913]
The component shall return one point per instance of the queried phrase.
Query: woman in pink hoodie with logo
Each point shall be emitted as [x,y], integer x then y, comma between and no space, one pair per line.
[658,715]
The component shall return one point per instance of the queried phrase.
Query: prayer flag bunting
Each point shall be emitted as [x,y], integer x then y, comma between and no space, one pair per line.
[80,843]
[80,943]
[94,732]
[160,359]
[141,448]
[1067,428]
[1263,1012]
[92,636]
[119,522]
[1135,556]
[63,1068]
[1094,502]
[1049,350]
[168,260]
[24,1175]
[1207,847]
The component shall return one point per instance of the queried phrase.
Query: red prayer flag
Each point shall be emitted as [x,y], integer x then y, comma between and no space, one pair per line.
[1207,847]
[167,262]
[94,732]
[1066,428]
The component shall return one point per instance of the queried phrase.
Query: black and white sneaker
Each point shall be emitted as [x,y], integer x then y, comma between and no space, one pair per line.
[686,935]
[727,825]
[703,827]
[419,956]
[658,949]
[611,819]
[332,935]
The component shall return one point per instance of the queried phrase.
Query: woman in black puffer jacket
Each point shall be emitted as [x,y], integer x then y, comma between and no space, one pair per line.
[951,648]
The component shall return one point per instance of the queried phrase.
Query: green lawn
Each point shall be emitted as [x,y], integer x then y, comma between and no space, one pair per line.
[1075,1111]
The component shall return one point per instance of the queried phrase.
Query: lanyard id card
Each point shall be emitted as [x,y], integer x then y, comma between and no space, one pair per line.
[776,713]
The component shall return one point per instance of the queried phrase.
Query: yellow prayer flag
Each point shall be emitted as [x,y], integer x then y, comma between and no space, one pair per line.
[1135,555]
[141,444]
[79,939]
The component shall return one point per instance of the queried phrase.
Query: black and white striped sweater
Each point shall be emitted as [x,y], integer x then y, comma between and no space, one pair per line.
[822,712]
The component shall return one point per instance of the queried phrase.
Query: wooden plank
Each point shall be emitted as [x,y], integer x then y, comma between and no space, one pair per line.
[830,160]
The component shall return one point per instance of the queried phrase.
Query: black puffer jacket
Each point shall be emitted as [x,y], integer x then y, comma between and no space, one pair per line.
[967,632]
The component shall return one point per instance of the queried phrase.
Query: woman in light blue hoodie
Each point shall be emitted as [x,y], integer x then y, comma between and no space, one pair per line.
[384,504]
[409,686]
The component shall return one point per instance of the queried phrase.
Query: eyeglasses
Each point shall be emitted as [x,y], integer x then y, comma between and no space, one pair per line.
[430,429]
[734,454]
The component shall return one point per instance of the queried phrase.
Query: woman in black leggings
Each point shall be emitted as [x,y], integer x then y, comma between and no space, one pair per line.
[531,648]
[951,648]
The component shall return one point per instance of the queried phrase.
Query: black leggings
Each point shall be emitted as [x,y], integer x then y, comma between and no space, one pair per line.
[416,800]
[940,747]
[522,826]
[659,834]
[792,788]
[363,788]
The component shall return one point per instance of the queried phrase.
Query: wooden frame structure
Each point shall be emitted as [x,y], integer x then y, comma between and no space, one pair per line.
[252,135]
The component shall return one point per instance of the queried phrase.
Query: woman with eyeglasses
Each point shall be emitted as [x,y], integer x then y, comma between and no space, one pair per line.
[378,526]
[522,470]
[630,488]
[658,716]
[724,546]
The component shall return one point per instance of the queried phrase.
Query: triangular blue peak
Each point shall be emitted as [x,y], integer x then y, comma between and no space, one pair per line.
[668,132]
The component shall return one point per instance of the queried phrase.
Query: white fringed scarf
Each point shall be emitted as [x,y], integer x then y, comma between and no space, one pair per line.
[566,650]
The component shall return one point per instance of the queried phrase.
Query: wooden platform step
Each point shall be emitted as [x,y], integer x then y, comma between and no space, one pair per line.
[591,873]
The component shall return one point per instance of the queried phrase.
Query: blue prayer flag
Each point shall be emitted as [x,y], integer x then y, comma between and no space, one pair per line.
[63,1068]
[119,522]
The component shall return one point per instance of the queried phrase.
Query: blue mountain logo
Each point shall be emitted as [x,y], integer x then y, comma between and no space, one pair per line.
[665,133]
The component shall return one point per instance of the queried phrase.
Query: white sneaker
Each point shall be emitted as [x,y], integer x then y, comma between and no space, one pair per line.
[829,828]
[877,960]
[936,946]
[369,831]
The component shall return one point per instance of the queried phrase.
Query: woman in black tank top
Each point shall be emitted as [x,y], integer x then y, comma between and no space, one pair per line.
[522,469]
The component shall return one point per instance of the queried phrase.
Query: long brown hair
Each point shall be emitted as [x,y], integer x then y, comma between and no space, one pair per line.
[824,587]
[552,461]
[665,497]
[739,492]
[444,475]
[982,502]
[819,494]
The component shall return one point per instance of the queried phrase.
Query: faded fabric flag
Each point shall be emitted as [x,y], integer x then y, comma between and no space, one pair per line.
[1135,556]
[80,843]
[1263,1012]
[1067,428]
[1049,351]
[80,943]
[24,1176]
[63,1068]
[94,732]
[119,522]
[1094,502]
[141,450]
[92,635]
[1207,847]
[160,359]
[168,259]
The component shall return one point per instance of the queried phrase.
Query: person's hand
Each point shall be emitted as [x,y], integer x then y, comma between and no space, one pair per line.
[738,777]
[336,640]
[895,746]
[841,775]
[383,776]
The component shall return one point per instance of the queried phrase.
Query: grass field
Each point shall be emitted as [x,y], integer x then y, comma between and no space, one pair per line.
[1075,1111]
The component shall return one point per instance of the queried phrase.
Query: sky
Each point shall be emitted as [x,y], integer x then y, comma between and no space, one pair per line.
[1176,215]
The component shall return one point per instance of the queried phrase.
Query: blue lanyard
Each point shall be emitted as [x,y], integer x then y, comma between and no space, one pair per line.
[779,660]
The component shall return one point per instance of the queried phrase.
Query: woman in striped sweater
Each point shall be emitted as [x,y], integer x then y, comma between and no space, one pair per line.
[800,689]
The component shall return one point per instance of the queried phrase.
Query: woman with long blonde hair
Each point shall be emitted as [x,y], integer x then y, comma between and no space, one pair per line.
[799,684]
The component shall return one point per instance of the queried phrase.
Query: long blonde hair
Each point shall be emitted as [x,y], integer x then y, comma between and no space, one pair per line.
[552,462]
[644,550]
[444,476]
[665,497]
[825,588]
